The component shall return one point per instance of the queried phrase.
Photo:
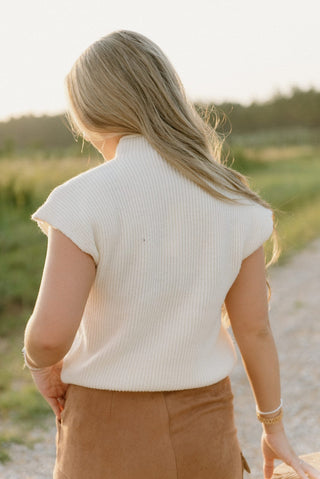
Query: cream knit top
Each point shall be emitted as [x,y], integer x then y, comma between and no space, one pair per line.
[166,254]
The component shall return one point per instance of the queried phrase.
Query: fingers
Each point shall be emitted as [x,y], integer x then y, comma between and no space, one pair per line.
[268,469]
[305,470]
[311,471]
[268,463]
[299,466]
[55,406]
[61,401]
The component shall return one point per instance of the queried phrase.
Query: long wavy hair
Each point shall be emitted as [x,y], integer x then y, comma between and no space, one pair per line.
[124,84]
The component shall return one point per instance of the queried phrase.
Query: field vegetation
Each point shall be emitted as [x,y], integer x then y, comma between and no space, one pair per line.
[282,164]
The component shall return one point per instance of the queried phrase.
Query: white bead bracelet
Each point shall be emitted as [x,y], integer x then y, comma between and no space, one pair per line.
[270,412]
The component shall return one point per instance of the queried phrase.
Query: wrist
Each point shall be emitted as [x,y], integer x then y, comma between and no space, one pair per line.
[272,419]
[273,428]
[270,413]
[31,365]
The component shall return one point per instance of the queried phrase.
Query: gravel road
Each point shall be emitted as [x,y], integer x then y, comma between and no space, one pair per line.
[295,320]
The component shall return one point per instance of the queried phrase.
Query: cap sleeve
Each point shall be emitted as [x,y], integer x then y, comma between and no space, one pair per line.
[259,228]
[69,210]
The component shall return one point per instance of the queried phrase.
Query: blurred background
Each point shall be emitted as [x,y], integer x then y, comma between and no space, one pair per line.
[257,63]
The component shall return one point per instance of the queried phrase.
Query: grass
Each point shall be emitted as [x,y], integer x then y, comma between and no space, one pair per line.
[27,181]
[22,408]
[288,178]
[280,137]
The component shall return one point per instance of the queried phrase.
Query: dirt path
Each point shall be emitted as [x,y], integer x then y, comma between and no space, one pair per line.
[295,320]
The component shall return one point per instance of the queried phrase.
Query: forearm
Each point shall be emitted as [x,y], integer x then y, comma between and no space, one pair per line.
[260,359]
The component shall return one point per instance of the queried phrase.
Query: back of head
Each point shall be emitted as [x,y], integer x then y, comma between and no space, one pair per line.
[124,84]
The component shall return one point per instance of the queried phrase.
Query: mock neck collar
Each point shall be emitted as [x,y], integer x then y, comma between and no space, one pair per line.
[127,137]
[128,144]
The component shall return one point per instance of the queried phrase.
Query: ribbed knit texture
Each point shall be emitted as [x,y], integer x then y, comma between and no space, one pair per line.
[166,253]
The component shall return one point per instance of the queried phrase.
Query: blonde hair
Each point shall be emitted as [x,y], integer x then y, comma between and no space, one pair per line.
[124,84]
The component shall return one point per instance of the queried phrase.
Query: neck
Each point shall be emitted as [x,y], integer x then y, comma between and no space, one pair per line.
[108,146]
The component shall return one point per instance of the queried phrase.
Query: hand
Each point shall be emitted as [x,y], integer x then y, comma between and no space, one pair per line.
[49,384]
[275,445]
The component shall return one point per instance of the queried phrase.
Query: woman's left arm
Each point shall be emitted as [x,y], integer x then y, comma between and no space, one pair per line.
[67,278]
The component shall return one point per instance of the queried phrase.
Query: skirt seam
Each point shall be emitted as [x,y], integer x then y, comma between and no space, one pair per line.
[174,454]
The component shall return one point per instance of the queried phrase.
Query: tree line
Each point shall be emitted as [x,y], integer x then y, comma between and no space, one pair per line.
[301,108]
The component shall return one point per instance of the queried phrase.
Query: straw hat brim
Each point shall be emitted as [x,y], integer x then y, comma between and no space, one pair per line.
[286,472]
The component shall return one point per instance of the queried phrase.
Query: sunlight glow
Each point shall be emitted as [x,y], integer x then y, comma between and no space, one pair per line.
[222,50]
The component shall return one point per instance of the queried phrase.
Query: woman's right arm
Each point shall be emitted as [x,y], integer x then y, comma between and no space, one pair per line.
[247,307]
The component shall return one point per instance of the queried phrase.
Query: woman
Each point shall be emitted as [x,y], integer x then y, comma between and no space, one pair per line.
[145,252]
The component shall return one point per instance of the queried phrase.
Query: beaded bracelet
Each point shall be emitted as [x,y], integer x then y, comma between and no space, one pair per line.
[270,412]
[26,362]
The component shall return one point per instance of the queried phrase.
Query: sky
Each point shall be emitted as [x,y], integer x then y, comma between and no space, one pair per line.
[223,50]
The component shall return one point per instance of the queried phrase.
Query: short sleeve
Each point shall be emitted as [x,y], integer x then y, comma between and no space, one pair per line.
[259,228]
[69,210]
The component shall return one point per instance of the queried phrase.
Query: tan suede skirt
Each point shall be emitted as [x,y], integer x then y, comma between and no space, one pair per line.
[183,434]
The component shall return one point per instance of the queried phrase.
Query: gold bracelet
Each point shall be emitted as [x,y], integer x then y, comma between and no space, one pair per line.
[270,420]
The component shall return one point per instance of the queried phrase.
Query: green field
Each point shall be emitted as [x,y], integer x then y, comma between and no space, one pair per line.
[288,178]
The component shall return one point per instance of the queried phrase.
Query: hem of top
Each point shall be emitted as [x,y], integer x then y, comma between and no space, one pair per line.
[41,219]
[198,388]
